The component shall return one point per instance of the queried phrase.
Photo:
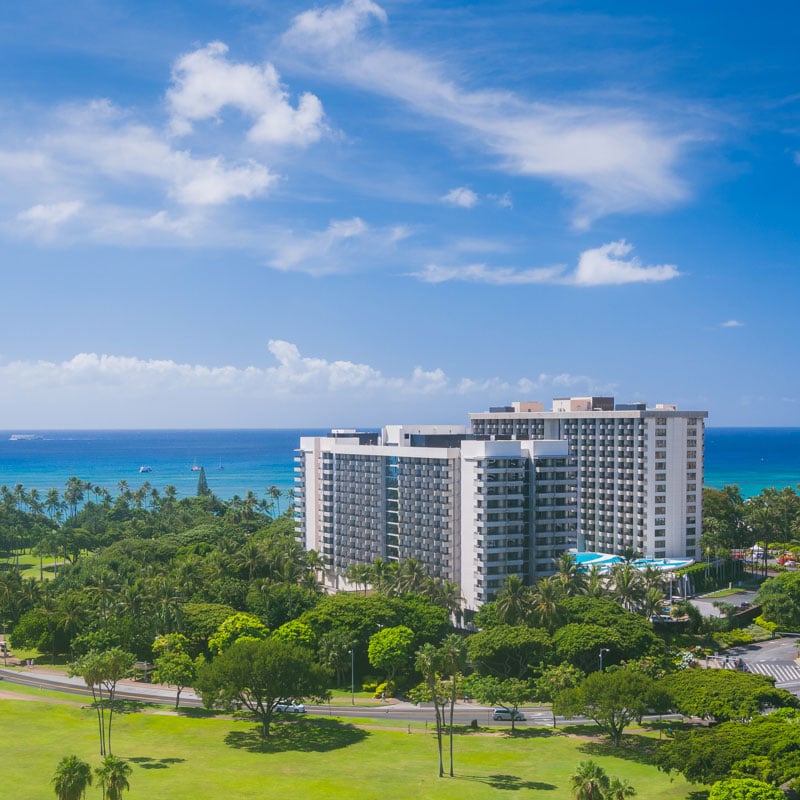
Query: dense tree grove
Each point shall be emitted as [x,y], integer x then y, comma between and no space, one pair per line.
[222,597]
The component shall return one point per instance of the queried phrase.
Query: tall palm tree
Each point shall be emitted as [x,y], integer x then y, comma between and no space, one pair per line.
[589,782]
[113,775]
[71,778]
[411,576]
[545,598]
[513,602]
[453,656]
[627,587]
[572,577]
[275,493]
[428,663]
[595,585]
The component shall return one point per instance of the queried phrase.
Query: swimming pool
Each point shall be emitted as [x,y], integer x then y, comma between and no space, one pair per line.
[605,560]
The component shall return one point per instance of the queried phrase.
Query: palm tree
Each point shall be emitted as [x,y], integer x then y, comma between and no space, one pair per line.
[626,583]
[595,585]
[411,576]
[619,789]
[453,655]
[113,775]
[571,575]
[513,601]
[546,596]
[589,782]
[71,778]
[275,493]
[428,663]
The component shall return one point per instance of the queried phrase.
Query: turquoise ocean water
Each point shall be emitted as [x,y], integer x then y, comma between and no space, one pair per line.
[237,461]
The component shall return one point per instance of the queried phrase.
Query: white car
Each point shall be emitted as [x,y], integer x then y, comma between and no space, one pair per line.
[507,714]
[290,708]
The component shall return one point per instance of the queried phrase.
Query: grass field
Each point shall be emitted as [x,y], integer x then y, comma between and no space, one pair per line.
[188,756]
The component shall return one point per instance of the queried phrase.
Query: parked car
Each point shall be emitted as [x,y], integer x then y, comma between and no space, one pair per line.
[499,714]
[290,708]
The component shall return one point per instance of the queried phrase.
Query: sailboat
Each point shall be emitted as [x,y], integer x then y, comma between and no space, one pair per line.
[220,464]
[195,468]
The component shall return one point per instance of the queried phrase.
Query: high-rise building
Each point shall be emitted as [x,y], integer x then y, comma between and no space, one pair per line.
[472,512]
[640,469]
[508,497]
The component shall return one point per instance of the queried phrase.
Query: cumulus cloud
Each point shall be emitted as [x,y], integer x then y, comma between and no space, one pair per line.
[461,197]
[204,82]
[98,137]
[51,214]
[606,265]
[732,323]
[611,157]
[120,387]
[599,266]
[335,26]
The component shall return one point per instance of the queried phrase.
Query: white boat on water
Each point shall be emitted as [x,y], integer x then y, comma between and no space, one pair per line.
[24,437]
[145,468]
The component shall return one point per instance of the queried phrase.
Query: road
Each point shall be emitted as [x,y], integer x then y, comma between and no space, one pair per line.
[402,712]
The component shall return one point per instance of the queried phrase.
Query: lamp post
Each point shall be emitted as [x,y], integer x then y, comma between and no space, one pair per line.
[603,650]
[352,676]
[5,645]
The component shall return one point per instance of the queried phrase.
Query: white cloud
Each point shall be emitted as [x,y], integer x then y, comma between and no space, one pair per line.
[52,214]
[342,247]
[204,82]
[461,197]
[501,200]
[480,273]
[599,266]
[603,266]
[732,323]
[612,158]
[128,391]
[332,27]
[97,138]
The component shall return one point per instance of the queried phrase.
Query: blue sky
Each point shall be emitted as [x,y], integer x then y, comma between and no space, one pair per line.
[254,213]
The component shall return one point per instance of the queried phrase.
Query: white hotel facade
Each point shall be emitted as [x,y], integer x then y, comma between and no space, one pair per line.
[509,496]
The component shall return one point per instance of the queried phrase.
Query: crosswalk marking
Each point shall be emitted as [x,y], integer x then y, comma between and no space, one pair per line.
[782,671]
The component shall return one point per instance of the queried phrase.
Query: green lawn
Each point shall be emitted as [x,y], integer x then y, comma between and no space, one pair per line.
[191,757]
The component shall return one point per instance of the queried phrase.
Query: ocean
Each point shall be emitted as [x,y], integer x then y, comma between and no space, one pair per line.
[238,461]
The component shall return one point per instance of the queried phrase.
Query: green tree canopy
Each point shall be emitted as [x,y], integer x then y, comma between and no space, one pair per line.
[509,651]
[780,600]
[238,626]
[766,748]
[744,789]
[390,649]
[509,693]
[724,695]
[259,674]
[612,699]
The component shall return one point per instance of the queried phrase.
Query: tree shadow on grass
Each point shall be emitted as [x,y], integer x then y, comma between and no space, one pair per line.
[511,783]
[317,736]
[632,748]
[145,762]
[532,733]
[198,713]
[125,706]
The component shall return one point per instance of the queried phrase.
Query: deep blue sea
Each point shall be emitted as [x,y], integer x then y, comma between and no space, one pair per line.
[237,461]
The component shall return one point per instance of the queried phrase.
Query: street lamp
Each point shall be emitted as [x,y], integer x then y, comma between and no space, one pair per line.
[603,650]
[352,676]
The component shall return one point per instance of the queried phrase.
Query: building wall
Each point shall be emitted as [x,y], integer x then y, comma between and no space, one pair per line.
[640,473]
